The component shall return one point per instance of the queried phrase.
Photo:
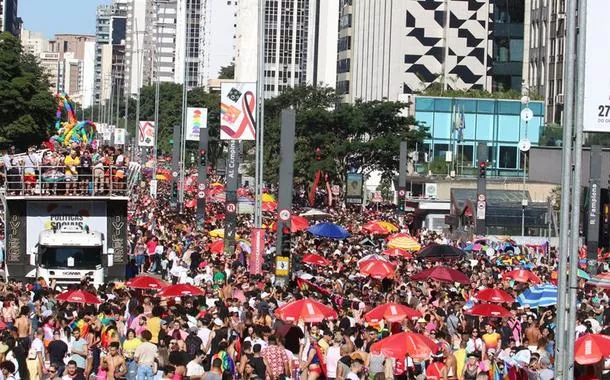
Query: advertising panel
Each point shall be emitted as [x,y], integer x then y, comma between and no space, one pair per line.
[45,215]
[353,191]
[238,111]
[196,118]
[597,76]
[119,136]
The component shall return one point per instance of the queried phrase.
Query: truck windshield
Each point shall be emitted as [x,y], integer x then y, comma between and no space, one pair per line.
[59,257]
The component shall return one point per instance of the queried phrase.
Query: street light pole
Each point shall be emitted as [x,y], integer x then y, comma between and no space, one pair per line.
[260,117]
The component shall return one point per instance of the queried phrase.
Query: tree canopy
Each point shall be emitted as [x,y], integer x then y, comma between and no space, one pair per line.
[360,137]
[27,105]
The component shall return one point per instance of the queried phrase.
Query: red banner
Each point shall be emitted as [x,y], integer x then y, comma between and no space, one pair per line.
[257,241]
[314,188]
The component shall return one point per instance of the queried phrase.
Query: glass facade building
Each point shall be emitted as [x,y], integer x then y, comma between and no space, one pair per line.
[496,122]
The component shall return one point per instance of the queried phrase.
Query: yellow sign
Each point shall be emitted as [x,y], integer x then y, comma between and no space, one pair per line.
[282,265]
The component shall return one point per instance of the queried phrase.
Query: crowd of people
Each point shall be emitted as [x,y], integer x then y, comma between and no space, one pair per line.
[76,170]
[233,331]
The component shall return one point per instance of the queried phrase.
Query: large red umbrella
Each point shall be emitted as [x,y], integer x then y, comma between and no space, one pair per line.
[269,206]
[375,228]
[180,290]
[146,282]
[391,312]
[494,295]
[377,268]
[398,235]
[397,252]
[488,310]
[398,346]
[298,223]
[522,275]
[315,259]
[591,348]
[307,310]
[442,274]
[218,246]
[78,296]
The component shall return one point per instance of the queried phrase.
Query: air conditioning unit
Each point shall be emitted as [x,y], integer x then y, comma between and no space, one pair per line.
[559,98]
[431,190]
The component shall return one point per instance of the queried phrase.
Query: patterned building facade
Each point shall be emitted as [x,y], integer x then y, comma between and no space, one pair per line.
[388,48]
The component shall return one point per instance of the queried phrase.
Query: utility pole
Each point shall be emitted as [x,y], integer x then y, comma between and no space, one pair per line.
[481,211]
[402,177]
[260,117]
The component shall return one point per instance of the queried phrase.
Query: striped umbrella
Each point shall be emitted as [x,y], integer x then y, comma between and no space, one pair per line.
[539,296]
[406,242]
[602,280]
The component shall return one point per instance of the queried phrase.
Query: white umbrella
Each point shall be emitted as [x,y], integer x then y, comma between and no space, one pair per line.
[314,213]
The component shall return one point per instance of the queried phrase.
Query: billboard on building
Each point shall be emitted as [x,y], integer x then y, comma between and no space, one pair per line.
[238,111]
[597,77]
[196,118]
[45,215]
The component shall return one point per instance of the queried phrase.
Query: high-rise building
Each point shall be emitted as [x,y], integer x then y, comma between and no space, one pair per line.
[390,48]
[546,46]
[111,23]
[49,62]
[300,43]
[219,31]
[9,22]
[33,42]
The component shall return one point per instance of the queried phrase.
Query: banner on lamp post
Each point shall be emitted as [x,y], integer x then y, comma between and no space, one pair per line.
[257,240]
[238,111]
[196,119]
[146,133]
[119,136]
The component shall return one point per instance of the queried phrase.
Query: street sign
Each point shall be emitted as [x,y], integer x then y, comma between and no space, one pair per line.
[401,193]
[201,194]
[481,206]
[153,188]
[230,207]
[175,174]
[524,145]
[336,190]
[284,215]
[201,187]
[481,198]
[377,198]
[282,265]
[527,114]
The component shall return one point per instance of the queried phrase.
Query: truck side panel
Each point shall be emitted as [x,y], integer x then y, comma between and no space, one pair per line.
[17,261]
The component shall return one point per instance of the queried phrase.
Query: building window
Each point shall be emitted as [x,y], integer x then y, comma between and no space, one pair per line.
[508,157]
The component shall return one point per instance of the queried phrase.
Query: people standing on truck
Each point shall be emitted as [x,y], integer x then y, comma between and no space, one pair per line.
[71,164]
[85,171]
[31,167]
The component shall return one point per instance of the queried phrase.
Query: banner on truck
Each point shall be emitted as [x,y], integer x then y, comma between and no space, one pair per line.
[45,215]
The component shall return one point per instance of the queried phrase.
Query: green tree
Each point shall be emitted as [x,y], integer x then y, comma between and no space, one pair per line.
[27,103]
[360,137]
[227,72]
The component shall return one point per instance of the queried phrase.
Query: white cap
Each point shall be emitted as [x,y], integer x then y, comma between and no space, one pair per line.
[218,322]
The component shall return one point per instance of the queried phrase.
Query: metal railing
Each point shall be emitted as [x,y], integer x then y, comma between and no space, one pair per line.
[63,181]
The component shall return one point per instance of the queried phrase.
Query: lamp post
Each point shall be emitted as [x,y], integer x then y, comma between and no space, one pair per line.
[524,146]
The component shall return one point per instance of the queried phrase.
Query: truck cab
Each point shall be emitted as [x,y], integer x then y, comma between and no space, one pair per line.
[69,254]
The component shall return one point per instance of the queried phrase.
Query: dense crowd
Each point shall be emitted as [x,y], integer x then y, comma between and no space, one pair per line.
[233,330]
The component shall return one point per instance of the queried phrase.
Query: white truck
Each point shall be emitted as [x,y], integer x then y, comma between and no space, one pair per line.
[69,254]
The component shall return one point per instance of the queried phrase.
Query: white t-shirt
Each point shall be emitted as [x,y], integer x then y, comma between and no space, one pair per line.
[39,346]
[204,335]
[194,369]
[352,376]
[333,354]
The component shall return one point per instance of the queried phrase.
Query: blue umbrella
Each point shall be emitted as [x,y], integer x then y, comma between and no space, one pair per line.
[539,296]
[328,230]
[469,247]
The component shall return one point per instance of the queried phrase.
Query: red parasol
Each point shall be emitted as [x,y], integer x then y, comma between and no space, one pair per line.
[218,246]
[79,296]
[398,346]
[375,228]
[269,206]
[180,290]
[591,348]
[315,259]
[146,282]
[377,268]
[522,275]
[298,223]
[442,274]
[307,310]
[398,235]
[488,310]
[397,252]
[494,295]
[391,312]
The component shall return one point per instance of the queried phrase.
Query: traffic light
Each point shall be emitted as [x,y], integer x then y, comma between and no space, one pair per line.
[202,158]
[286,244]
[401,205]
[482,169]
[175,189]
